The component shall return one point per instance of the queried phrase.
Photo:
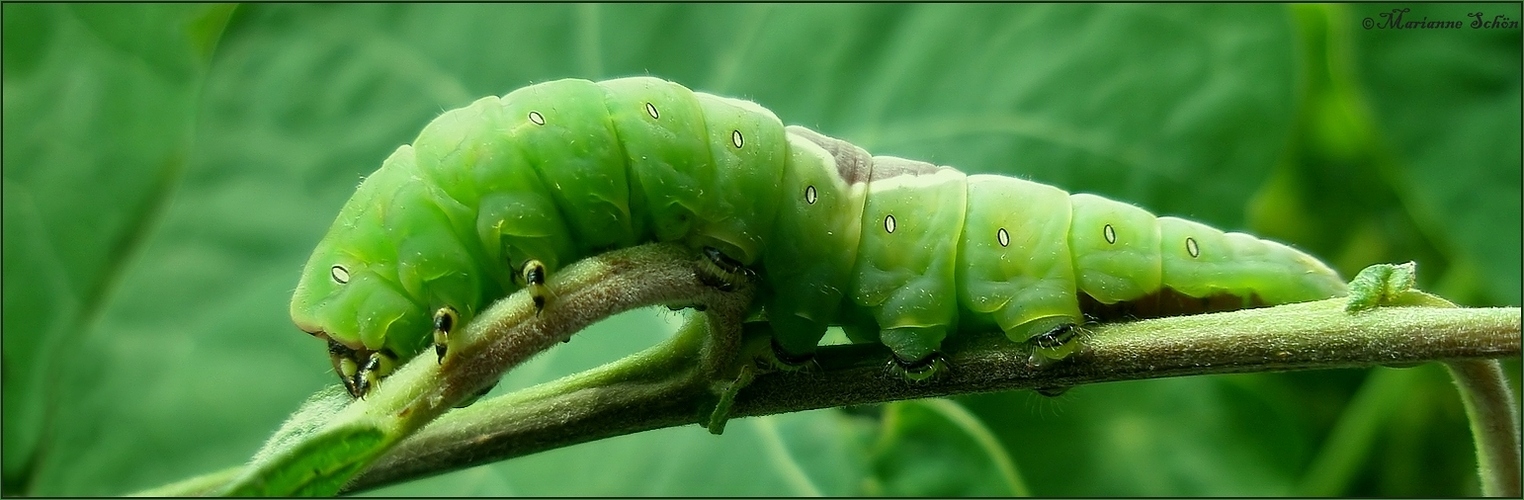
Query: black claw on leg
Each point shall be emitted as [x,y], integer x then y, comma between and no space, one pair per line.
[373,364]
[361,370]
[360,384]
[720,271]
[370,375]
[534,278]
[444,322]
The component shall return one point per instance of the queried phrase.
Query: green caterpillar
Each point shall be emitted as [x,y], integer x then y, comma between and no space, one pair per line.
[492,196]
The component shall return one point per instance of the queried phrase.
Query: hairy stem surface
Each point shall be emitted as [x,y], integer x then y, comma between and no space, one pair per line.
[639,397]
[1494,424]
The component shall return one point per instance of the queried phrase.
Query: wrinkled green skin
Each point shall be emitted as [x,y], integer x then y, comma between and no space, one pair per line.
[566,169]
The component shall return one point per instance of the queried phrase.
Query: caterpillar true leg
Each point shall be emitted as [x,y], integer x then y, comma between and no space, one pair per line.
[379,365]
[444,322]
[361,385]
[534,279]
[347,373]
[345,364]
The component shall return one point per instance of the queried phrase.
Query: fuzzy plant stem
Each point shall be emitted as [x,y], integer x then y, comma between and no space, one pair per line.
[1494,416]
[662,389]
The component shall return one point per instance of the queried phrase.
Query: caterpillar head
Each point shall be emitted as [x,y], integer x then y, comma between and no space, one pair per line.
[346,300]
[356,305]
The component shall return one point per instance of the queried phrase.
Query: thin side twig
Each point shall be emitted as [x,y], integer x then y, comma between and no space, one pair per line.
[1494,417]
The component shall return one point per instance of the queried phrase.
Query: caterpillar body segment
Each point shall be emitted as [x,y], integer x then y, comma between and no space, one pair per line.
[810,276]
[1015,267]
[911,294]
[896,251]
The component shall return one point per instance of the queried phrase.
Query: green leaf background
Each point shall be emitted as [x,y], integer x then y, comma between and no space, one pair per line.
[168,167]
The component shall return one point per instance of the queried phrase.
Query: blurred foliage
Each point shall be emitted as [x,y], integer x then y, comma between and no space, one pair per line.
[168,167]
